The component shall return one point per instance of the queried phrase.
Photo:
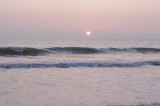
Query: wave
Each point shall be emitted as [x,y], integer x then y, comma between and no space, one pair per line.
[139,50]
[81,64]
[21,51]
[76,50]
[72,50]
[86,50]
[152,104]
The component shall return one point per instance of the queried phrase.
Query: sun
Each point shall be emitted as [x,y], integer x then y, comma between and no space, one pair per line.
[88,33]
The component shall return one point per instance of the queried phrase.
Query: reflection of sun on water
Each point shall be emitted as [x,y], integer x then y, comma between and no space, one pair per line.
[88,33]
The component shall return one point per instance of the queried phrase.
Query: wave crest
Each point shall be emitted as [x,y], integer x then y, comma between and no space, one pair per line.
[73,50]
[76,50]
[81,64]
[21,51]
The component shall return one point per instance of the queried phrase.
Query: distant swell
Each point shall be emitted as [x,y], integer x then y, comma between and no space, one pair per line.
[81,64]
[22,51]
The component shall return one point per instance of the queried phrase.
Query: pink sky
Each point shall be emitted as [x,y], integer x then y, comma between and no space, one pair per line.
[80,15]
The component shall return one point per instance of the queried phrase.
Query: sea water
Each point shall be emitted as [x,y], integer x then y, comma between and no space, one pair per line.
[79,72]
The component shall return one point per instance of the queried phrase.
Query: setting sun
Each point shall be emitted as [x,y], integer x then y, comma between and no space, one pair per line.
[88,33]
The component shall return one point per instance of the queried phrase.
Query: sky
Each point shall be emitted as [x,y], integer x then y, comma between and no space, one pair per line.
[72,18]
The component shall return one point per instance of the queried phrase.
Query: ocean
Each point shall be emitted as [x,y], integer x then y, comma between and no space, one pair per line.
[79,72]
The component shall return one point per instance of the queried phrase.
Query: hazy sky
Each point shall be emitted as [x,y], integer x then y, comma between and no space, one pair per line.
[75,17]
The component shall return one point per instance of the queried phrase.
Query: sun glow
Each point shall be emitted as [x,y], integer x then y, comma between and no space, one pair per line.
[88,33]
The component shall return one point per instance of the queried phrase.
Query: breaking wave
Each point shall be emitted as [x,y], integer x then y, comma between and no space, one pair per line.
[22,51]
[81,64]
